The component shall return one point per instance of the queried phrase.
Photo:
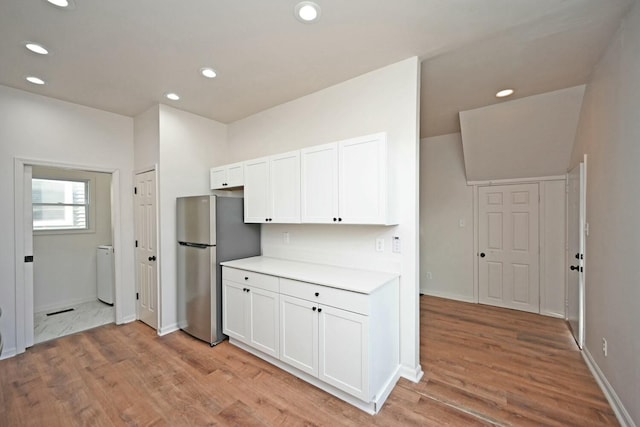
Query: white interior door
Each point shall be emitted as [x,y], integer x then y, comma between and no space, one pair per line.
[576,214]
[508,246]
[146,248]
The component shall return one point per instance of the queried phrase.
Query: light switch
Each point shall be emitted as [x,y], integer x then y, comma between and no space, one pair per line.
[396,244]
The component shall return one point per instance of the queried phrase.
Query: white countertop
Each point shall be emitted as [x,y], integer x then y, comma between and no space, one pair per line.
[362,281]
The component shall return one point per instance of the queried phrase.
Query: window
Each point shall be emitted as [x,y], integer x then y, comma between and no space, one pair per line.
[60,204]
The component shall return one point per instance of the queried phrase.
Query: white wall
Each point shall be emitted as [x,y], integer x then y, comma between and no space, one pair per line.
[445,198]
[383,100]
[49,130]
[446,248]
[188,146]
[65,263]
[553,237]
[146,129]
[523,138]
[609,133]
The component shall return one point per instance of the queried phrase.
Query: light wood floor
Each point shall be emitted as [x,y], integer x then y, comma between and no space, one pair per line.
[483,366]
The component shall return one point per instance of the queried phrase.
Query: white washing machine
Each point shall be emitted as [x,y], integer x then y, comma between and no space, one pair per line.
[105,274]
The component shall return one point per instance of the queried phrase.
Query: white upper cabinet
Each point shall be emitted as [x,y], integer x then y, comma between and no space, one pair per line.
[228,176]
[272,189]
[319,184]
[347,182]
[256,190]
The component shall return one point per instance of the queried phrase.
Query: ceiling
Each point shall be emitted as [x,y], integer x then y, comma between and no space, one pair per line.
[124,56]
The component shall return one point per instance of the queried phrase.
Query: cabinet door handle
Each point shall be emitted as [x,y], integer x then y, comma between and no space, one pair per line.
[335,219]
[246,278]
[319,309]
[314,308]
[317,294]
[339,219]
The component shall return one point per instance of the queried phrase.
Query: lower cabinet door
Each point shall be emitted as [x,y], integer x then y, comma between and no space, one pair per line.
[264,321]
[344,351]
[299,334]
[234,311]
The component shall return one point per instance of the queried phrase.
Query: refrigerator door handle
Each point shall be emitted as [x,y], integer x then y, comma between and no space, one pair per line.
[195,245]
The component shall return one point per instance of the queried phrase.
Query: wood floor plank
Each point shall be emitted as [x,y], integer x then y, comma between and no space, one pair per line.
[484,366]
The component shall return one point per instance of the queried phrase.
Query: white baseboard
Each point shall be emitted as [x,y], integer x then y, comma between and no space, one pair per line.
[126,319]
[616,404]
[412,374]
[447,295]
[552,314]
[8,353]
[167,329]
[64,304]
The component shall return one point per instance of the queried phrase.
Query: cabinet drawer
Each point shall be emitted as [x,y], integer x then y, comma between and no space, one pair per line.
[339,298]
[258,280]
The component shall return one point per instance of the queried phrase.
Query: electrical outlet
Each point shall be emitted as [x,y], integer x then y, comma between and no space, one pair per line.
[461,223]
[380,244]
[285,237]
[604,347]
[429,276]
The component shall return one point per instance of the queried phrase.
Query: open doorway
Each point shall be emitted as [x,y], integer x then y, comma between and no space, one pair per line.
[73,285]
[24,260]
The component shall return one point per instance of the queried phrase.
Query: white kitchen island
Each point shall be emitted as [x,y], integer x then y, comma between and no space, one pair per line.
[334,327]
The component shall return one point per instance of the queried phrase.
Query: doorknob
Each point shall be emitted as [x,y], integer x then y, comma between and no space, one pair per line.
[152,258]
[482,255]
[574,267]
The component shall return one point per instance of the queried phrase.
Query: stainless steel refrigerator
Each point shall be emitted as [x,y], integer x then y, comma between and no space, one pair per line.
[210,230]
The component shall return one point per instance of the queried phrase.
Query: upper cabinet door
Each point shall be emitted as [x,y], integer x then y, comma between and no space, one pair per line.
[235,175]
[319,184]
[256,191]
[284,180]
[218,177]
[363,180]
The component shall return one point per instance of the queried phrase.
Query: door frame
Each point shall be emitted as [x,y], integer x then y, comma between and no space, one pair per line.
[24,283]
[136,172]
[541,226]
[582,280]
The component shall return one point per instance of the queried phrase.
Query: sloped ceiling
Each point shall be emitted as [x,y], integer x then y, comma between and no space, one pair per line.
[123,56]
[524,138]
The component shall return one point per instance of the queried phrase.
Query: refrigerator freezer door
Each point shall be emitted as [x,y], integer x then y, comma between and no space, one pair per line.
[198,293]
[196,219]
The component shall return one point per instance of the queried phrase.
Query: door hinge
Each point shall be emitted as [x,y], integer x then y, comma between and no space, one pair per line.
[135,190]
[136,243]
[137,296]
[28,258]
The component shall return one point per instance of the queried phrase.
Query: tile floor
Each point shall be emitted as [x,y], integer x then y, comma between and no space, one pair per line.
[84,316]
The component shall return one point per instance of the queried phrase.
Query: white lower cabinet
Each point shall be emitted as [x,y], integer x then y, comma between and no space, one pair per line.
[299,334]
[325,342]
[344,350]
[250,314]
[344,342]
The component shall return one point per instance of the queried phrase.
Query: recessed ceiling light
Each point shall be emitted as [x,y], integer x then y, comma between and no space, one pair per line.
[209,73]
[172,96]
[307,11]
[505,92]
[62,3]
[35,80]
[37,48]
